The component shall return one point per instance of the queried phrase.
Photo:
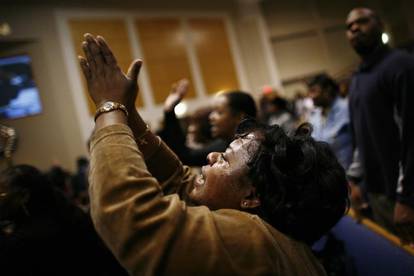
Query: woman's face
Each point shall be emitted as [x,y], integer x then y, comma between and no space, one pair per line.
[223,122]
[223,183]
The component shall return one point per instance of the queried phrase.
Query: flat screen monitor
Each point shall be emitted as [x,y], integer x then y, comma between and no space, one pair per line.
[19,95]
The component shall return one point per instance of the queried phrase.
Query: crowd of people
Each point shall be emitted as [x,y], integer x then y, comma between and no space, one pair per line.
[271,181]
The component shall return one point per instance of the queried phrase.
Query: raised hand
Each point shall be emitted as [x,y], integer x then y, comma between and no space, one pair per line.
[177,93]
[105,80]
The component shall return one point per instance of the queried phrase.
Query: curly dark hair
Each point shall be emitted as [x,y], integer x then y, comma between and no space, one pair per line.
[301,185]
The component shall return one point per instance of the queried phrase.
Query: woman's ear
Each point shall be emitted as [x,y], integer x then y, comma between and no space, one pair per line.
[251,201]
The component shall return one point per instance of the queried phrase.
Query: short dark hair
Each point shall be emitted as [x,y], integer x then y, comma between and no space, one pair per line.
[301,185]
[326,83]
[241,102]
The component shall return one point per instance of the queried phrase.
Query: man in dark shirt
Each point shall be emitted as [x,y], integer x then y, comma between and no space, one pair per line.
[382,118]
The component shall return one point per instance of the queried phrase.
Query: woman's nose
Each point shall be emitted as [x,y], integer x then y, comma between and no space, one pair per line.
[212,157]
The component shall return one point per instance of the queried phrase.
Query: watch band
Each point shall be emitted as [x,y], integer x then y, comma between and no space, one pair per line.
[110,106]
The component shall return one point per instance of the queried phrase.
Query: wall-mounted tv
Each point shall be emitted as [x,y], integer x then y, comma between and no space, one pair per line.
[19,96]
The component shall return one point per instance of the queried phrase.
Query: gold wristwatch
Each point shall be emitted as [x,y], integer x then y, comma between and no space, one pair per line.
[109,106]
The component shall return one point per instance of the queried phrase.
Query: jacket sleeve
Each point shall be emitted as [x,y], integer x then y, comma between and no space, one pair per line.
[168,170]
[146,230]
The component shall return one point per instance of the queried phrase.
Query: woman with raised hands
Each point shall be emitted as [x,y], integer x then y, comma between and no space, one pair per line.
[253,210]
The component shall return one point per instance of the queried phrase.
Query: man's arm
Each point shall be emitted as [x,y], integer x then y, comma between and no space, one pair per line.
[172,132]
[403,87]
[355,175]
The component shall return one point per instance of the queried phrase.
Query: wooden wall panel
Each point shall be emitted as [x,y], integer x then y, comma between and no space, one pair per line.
[164,53]
[210,40]
[115,33]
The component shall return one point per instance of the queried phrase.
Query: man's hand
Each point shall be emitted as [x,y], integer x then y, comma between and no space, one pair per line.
[404,222]
[177,93]
[358,202]
[105,80]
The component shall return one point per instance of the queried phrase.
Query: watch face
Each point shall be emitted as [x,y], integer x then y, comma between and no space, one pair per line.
[107,106]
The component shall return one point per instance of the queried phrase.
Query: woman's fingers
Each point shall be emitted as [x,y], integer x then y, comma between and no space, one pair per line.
[89,58]
[107,54]
[95,53]
[85,68]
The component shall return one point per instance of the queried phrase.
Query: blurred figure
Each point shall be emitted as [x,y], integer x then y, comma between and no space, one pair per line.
[199,128]
[330,119]
[79,183]
[303,107]
[59,178]
[382,117]
[274,111]
[42,233]
[228,110]
[8,144]
[344,87]
[193,144]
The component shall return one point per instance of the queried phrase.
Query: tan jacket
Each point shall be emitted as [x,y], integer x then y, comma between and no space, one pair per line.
[139,210]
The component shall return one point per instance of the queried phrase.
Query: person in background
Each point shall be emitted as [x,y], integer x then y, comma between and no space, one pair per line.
[43,233]
[381,99]
[252,211]
[59,178]
[8,144]
[79,183]
[228,110]
[186,144]
[344,87]
[199,128]
[330,119]
[274,111]
[303,106]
